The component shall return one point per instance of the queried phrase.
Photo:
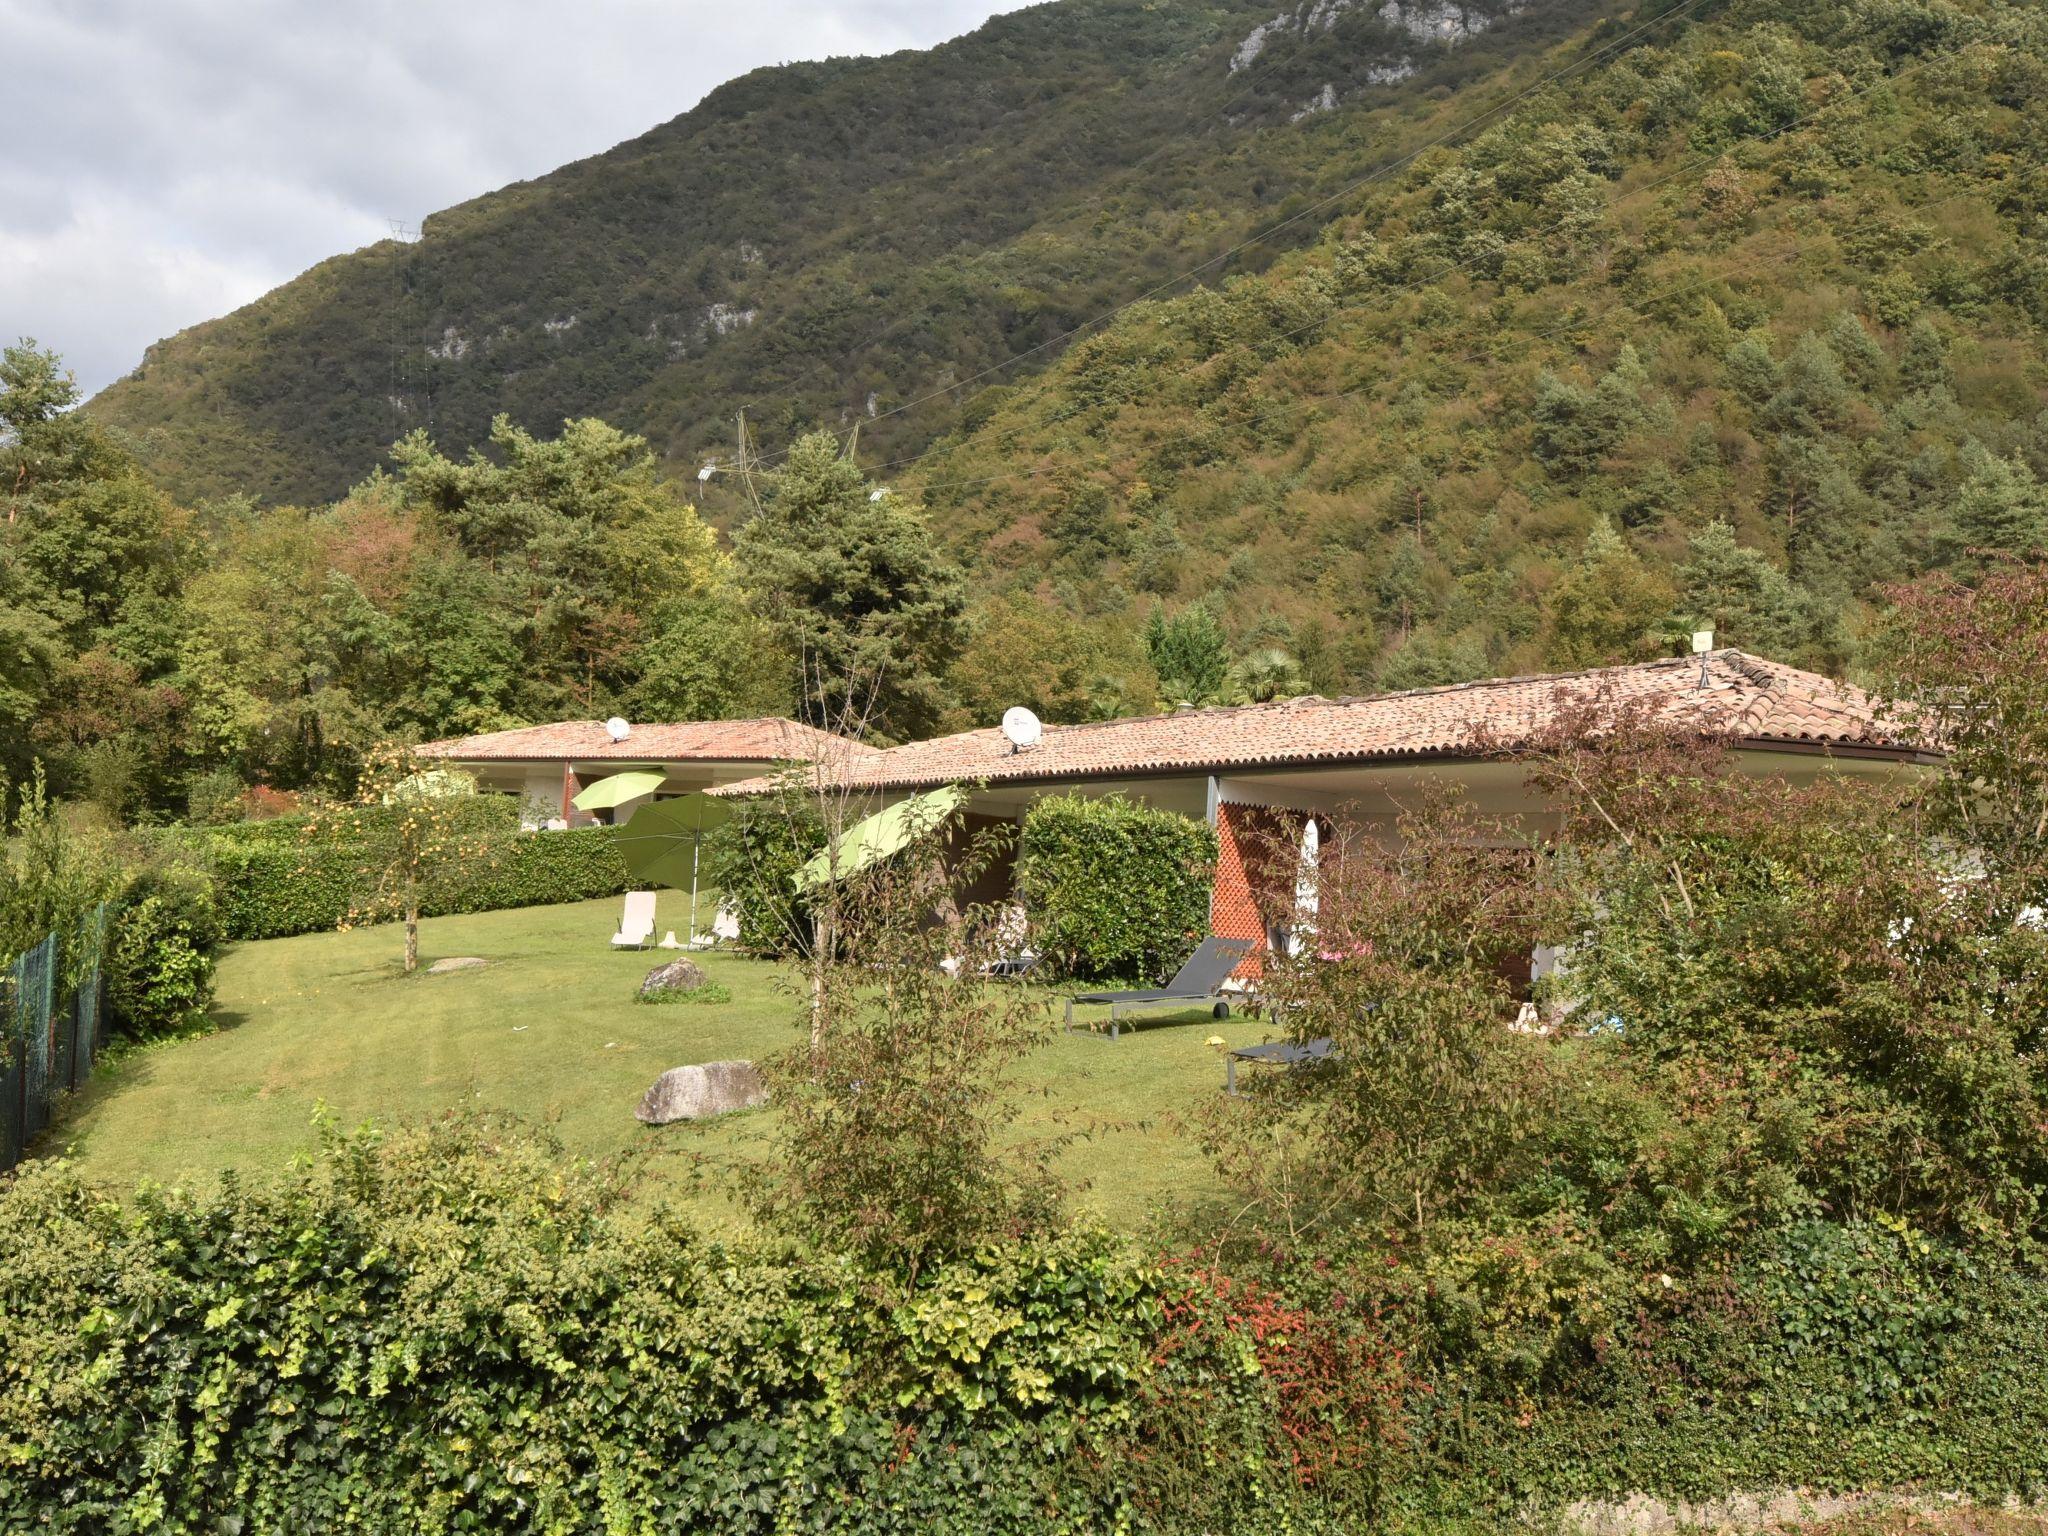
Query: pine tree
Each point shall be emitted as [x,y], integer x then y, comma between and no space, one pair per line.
[1745,599]
[850,580]
[2000,508]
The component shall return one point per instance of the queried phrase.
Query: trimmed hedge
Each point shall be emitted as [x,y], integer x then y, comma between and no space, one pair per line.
[1113,888]
[269,885]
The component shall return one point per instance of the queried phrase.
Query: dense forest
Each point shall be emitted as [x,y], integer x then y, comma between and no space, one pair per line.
[823,241]
[1539,338]
[1727,329]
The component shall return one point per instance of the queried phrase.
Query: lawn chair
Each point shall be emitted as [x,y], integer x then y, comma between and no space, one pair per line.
[636,924]
[1199,981]
[1290,1054]
[1015,958]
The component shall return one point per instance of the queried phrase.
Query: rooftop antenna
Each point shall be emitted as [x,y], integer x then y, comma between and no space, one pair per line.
[1703,647]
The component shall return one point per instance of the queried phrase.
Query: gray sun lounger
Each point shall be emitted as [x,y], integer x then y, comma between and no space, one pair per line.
[1199,981]
[1287,1053]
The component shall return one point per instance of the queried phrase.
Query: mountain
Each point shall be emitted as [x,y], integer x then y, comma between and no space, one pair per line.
[1726,329]
[830,241]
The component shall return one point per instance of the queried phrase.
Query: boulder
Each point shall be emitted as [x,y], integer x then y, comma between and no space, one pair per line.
[676,976]
[456,963]
[698,1093]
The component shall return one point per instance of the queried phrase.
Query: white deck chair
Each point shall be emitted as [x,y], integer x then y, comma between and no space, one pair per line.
[636,924]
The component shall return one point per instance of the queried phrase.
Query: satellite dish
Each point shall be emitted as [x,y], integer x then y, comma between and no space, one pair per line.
[617,728]
[1021,728]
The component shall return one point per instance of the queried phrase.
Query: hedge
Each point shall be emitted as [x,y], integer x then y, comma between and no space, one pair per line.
[270,885]
[444,1329]
[1114,888]
[443,1332]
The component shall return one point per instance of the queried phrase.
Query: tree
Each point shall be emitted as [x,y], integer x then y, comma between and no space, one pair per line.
[1576,428]
[406,841]
[1743,598]
[891,1139]
[571,546]
[1967,668]
[1190,655]
[852,586]
[31,650]
[2000,508]
[1026,651]
[1606,607]
[91,560]
[40,438]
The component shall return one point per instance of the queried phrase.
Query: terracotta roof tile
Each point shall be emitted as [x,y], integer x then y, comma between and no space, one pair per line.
[1753,699]
[762,741]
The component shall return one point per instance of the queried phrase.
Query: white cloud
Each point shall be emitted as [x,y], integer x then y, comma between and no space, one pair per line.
[167,160]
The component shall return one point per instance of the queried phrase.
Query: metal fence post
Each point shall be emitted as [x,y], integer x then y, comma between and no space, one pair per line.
[13,1088]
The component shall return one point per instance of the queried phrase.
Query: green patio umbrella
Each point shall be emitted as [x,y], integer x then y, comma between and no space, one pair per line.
[867,843]
[609,794]
[661,842]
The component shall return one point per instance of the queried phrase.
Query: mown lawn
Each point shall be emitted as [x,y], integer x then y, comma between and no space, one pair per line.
[550,1031]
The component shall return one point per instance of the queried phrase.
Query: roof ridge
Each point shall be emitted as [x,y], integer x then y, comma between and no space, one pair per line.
[1311,701]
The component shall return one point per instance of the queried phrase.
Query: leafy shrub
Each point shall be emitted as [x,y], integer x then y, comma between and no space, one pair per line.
[1113,888]
[444,1331]
[213,798]
[159,959]
[753,860]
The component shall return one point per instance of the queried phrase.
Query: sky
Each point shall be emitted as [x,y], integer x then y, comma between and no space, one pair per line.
[165,161]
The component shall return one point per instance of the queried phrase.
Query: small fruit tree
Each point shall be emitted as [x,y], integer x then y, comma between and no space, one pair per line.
[409,841]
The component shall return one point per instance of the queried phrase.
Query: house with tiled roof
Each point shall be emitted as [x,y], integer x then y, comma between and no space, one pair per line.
[552,766]
[1315,760]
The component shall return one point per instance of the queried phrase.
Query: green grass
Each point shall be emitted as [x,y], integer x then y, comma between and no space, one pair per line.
[550,1031]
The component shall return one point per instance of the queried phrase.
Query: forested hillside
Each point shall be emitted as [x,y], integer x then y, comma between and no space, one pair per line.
[1728,329]
[824,241]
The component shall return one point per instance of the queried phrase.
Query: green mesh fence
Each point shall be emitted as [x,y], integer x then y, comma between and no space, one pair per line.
[53,1031]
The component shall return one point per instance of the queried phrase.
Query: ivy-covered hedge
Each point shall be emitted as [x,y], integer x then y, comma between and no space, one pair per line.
[444,1330]
[1841,1356]
[269,883]
[1114,888]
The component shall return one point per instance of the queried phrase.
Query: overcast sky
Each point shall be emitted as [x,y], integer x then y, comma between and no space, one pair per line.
[164,161]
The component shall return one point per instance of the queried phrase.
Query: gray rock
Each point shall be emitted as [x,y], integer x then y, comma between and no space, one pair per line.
[698,1093]
[456,963]
[676,976]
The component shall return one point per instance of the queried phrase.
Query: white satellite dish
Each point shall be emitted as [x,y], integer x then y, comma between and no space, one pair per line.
[617,728]
[1021,728]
